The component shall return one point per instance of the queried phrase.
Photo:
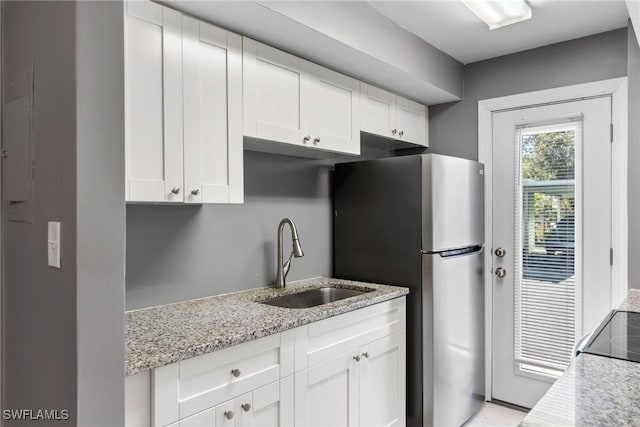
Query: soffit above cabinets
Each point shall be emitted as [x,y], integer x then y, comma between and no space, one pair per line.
[349,37]
[451,27]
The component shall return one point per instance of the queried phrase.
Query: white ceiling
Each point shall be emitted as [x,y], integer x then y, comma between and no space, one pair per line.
[454,29]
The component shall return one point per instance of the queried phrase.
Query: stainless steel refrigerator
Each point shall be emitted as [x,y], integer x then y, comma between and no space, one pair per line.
[417,221]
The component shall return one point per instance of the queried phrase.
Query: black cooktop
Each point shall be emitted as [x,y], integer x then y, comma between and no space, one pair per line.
[618,336]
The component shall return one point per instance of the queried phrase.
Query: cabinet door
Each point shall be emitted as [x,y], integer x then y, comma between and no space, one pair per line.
[153,103]
[378,111]
[335,111]
[411,121]
[212,86]
[268,406]
[276,88]
[327,393]
[382,382]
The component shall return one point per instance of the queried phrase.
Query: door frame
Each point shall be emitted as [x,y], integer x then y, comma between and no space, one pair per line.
[617,89]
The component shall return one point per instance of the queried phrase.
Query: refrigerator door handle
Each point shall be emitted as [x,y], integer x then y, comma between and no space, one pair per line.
[454,253]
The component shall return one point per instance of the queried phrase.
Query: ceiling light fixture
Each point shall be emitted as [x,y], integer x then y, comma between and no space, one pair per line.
[499,13]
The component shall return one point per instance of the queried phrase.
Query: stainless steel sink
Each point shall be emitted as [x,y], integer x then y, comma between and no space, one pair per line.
[314,297]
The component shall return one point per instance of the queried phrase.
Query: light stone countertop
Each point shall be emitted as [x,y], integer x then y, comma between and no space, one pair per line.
[593,391]
[166,334]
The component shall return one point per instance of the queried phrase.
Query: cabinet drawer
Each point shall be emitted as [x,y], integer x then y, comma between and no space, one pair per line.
[320,341]
[193,385]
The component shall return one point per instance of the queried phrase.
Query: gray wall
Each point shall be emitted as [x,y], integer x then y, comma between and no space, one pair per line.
[39,302]
[63,329]
[453,127]
[176,253]
[634,158]
[101,213]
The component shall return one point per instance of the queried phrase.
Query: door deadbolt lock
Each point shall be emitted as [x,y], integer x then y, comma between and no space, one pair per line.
[501,272]
[500,252]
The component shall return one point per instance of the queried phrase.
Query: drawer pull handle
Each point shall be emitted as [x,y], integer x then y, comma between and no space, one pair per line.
[366,355]
[356,358]
[236,372]
[228,414]
[245,407]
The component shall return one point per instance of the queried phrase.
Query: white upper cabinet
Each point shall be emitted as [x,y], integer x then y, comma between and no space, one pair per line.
[309,108]
[212,93]
[153,103]
[378,110]
[411,121]
[183,108]
[386,114]
[275,91]
[335,111]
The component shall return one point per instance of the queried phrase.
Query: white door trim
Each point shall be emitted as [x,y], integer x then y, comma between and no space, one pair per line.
[617,88]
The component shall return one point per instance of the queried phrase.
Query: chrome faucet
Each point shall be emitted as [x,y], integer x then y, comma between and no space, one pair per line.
[283,269]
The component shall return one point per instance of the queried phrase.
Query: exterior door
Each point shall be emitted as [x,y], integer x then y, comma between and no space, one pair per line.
[552,239]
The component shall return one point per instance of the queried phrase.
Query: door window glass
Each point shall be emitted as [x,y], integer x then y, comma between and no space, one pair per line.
[546,274]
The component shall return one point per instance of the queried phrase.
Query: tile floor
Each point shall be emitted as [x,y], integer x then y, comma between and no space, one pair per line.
[496,415]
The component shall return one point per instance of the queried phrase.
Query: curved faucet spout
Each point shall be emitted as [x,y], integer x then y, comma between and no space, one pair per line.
[283,269]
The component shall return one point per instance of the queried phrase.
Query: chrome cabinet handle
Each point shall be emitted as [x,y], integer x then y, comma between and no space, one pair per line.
[316,140]
[175,190]
[401,133]
[195,191]
[307,138]
[394,131]
[356,358]
[245,407]
[236,372]
[228,414]
[501,272]
[366,354]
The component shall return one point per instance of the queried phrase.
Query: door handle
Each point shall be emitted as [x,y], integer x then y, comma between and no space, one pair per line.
[500,272]
[500,252]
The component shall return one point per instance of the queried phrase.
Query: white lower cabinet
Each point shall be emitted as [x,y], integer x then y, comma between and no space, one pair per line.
[382,381]
[363,387]
[345,370]
[327,393]
[271,405]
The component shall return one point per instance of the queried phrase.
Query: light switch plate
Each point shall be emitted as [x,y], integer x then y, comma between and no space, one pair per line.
[53,244]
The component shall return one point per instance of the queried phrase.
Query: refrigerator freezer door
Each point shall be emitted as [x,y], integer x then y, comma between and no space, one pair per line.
[453,298]
[453,203]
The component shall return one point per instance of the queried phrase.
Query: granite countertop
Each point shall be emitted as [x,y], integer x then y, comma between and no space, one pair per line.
[593,391]
[166,334]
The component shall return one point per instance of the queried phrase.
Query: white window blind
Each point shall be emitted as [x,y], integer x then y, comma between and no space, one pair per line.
[547,201]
